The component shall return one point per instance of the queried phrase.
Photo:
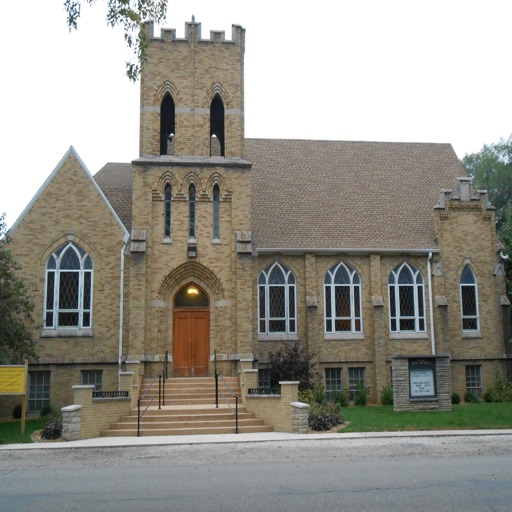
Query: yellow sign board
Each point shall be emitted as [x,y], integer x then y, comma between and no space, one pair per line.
[12,380]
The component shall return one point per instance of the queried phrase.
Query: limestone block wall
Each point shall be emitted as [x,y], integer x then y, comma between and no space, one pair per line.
[402,400]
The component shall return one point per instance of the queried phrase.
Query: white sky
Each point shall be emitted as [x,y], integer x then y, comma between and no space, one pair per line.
[385,70]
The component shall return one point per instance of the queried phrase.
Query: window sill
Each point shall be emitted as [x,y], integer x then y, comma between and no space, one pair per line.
[66,333]
[408,336]
[338,336]
[471,334]
[167,240]
[216,240]
[278,337]
[192,240]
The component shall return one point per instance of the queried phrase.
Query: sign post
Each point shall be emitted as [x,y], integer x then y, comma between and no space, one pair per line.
[14,381]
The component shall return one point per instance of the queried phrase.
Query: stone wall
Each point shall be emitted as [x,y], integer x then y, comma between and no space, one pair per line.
[403,397]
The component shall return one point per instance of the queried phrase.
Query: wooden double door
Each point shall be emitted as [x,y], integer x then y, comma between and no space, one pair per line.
[191,342]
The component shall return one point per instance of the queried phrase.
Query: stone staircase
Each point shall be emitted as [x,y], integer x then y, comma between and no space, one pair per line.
[189,410]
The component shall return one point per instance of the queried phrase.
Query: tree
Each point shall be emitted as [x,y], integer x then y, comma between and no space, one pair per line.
[291,363]
[130,15]
[16,307]
[491,170]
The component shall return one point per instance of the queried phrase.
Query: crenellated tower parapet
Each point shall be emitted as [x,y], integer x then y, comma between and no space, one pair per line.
[192,94]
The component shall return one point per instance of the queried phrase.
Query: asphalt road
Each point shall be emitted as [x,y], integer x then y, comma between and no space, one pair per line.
[467,473]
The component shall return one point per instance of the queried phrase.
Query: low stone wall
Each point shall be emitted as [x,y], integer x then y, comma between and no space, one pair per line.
[283,412]
[407,399]
[88,416]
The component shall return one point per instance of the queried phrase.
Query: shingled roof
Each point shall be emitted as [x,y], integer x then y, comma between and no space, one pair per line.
[331,194]
[115,180]
[347,195]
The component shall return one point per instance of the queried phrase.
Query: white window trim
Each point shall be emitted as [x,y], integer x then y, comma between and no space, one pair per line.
[332,292]
[279,335]
[417,314]
[68,331]
[470,333]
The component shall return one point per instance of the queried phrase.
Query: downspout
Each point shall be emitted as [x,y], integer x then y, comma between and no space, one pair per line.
[121,311]
[431,308]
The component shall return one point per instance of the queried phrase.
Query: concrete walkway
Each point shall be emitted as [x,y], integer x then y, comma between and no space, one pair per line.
[108,442]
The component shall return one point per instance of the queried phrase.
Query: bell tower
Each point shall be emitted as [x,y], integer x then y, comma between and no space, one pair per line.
[192,94]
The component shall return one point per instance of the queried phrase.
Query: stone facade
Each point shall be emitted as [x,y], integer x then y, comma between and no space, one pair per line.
[308,205]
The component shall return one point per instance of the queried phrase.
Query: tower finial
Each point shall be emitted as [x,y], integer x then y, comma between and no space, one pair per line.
[193,19]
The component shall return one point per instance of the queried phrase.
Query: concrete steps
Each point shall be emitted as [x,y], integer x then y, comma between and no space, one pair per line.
[189,410]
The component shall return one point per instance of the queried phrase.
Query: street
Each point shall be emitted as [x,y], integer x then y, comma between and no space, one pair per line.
[463,473]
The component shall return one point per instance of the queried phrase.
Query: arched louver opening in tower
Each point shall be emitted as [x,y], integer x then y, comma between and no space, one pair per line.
[167,126]
[217,127]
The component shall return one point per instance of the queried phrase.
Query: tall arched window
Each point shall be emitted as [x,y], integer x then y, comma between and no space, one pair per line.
[167,126]
[469,300]
[216,211]
[342,292]
[217,127]
[406,299]
[276,304]
[167,211]
[68,290]
[192,211]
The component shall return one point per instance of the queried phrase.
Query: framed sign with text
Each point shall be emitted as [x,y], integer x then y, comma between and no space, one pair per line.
[422,378]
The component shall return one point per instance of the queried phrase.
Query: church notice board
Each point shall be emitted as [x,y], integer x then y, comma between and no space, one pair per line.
[422,378]
[13,381]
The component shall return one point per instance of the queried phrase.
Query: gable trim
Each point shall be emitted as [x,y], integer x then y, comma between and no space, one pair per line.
[70,152]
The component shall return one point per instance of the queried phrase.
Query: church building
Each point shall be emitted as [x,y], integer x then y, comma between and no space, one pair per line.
[211,245]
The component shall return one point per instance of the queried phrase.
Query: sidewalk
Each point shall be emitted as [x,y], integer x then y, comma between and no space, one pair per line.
[110,442]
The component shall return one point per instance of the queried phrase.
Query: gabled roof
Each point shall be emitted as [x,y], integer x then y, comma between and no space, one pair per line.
[71,152]
[332,195]
[115,180]
[347,195]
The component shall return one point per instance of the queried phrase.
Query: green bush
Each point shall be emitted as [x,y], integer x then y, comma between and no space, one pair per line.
[455,398]
[386,395]
[16,412]
[361,395]
[306,396]
[46,411]
[340,397]
[471,398]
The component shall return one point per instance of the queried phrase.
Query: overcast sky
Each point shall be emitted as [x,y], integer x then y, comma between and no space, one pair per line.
[380,70]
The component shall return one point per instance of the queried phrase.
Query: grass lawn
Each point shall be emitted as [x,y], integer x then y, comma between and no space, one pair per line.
[10,431]
[462,417]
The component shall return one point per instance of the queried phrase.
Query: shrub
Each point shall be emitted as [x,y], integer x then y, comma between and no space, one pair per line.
[386,395]
[46,410]
[362,394]
[455,398]
[471,398]
[291,363]
[325,422]
[16,412]
[52,430]
[306,396]
[319,394]
[488,397]
[324,416]
[340,398]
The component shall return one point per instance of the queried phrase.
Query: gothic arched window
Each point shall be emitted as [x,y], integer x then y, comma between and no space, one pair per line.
[406,299]
[167,126]
[167,211]
[217,127]
[216,211]
[342,292]
[469,300]
[276,304]
[192,211]
[68,289]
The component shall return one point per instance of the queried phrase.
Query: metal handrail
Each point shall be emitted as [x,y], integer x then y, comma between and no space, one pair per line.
[139,415]
[225,399]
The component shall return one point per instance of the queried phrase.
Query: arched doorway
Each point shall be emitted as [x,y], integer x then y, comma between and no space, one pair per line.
[191,332]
